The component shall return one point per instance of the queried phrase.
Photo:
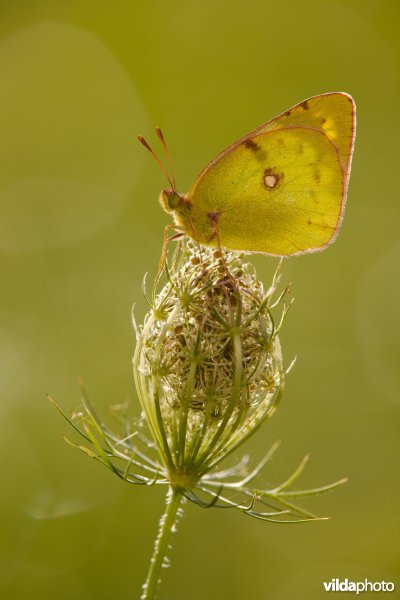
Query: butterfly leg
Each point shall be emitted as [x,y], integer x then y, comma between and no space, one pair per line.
[214,217]
[165,242]
[196,238]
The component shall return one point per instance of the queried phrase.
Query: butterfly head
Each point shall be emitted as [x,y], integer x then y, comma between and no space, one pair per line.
[170,200]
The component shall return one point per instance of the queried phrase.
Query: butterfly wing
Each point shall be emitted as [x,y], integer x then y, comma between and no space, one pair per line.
[281,189]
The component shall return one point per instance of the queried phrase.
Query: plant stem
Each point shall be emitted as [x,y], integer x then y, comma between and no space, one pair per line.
[167,525]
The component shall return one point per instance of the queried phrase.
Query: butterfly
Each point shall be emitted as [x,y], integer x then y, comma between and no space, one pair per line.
[279,190]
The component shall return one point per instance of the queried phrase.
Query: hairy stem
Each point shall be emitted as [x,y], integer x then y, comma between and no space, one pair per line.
[167,526]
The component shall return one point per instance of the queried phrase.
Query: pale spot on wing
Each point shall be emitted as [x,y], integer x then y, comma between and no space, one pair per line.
[271,178]
[329,128]
[270,181]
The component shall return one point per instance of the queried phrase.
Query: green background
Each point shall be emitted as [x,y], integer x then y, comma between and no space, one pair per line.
[80,225]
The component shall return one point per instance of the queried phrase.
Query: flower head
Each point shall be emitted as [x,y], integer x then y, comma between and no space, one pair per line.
[208,370]
[208,364]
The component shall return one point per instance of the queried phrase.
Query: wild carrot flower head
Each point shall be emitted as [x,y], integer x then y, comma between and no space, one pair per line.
[208,363]
[208,370]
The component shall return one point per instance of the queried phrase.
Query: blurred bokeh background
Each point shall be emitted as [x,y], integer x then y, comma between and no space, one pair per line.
[80,225]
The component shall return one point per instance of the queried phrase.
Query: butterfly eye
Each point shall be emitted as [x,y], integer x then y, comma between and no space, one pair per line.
[173,201]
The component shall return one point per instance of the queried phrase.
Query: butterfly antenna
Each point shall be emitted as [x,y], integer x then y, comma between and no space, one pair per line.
[164,170]
[164,143]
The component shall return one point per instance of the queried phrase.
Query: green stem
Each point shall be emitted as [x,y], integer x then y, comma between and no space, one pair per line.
[167,525]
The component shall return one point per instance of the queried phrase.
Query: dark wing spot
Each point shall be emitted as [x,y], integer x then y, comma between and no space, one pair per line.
[323,121]
[251,145]
[317,176]
[258,152]
[288,113]
[301,149]
[305,105]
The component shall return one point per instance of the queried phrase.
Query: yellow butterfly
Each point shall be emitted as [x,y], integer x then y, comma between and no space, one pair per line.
[279,190]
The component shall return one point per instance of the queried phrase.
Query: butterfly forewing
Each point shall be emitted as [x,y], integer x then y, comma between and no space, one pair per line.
[280,189]
[333,114]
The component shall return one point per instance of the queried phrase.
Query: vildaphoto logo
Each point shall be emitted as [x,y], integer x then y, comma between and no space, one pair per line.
[337,585]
